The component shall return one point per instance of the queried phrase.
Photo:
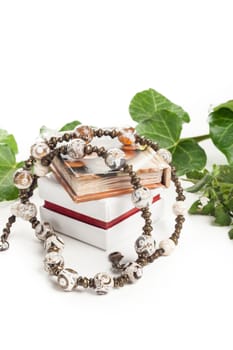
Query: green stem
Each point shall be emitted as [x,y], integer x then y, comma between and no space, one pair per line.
[201,137]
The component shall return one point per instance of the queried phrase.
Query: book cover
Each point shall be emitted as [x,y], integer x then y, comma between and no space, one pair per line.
[90,178]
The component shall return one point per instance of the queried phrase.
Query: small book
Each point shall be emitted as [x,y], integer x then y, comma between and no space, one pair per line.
[90,178]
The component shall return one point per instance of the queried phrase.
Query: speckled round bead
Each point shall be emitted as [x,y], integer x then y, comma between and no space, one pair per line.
[115,158]
[103,282]
[145,245]
[43,230]
[133,271]
[22,179]
[179,208]
[54,243]
[40,150]
[53,263]
[126,136]
[141,197]
[76,149]
[85,132]
[67,279]
[168,245]
[39,169]
[165,154]
[25,211]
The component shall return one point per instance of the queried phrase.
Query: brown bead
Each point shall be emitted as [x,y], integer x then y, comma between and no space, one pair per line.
[146,215]
[121,281]
[113,133]
[66,136]
[12,219]
[85,282]
[150,259]
[174,238]
[180,197]
[91,283]
[155,147]
[63,149]
[45,161]
[99,132]
[88,149]
[6,231]
[106,132]
[141,261]
[116,282]
[101,151]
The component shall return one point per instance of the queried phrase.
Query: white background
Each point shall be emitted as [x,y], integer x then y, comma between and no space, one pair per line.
[65,60]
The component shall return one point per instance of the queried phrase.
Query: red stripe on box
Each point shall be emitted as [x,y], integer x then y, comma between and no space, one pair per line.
[90,220]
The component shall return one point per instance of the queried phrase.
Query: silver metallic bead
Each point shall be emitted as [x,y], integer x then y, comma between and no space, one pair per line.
[40,150]
[115,158]
[168,245]
[165,154]
[141,197]
[179,208]
[133,270]
[39,169]
[53,243]
[43,230]
[145,245]
[103,282]
[75,149]
[53,263]
[67,279]
[22,179]
[25,211]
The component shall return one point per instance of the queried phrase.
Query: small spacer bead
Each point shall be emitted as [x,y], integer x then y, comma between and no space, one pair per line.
[98,132]
[91,283]
[66,137]
[88,149]
[113,133]
[106,132]
[101,152]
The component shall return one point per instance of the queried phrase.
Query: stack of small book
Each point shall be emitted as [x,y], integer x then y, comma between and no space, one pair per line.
[89,202]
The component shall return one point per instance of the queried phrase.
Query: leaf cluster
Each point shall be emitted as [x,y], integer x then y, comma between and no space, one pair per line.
[162,121]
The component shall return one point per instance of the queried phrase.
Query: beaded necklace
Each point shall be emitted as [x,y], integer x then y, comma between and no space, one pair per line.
[78,146]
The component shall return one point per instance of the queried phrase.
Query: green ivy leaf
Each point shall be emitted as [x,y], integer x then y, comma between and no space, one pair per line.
[222,217]
[221,131]
[188,156]
[228,105]
[164,128]
[200,184]
[9,140]
[230,205]
[225,173]
[7,157]
[197,209]
[7,190]
[195,175]
[8,166]
[70,126]
[145,104]
[230,234]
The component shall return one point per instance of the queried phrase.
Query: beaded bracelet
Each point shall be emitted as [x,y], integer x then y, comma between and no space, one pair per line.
[25,179]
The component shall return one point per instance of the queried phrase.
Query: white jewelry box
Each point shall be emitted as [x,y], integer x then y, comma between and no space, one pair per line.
[103,223]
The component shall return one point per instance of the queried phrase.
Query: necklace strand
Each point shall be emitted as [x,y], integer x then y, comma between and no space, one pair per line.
[42,154]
